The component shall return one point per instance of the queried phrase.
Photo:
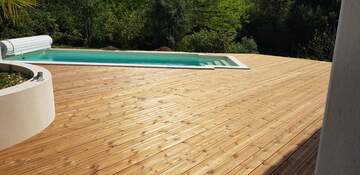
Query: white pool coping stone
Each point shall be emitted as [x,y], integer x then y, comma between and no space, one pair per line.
[207,67]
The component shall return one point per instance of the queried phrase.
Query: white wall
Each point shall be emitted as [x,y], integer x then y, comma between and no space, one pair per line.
[339,152]
[25,109]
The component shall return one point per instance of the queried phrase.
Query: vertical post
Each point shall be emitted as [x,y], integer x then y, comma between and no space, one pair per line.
[339,151]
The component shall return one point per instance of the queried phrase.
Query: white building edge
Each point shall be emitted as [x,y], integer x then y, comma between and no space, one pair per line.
[339,150]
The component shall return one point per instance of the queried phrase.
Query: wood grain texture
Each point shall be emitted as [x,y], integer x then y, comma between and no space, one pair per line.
[113,120]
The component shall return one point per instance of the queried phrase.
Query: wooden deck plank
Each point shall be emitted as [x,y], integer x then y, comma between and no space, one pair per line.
[113,120]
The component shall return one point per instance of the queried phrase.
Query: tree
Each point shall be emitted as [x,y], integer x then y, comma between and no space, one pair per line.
[285,27]
[11,8]
[230,15]
[297,28]
[167,22]
[322,45]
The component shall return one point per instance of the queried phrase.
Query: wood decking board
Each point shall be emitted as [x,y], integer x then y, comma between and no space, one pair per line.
[113,120]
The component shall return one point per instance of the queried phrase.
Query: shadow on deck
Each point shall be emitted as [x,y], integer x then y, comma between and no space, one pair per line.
[300,161]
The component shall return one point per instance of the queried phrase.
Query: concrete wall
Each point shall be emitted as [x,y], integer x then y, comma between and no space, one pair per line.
[25,109]
[339,152]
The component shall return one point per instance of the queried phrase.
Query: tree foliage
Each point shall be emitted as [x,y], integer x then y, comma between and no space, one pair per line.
[217,41]
[286,27]
[10,8]
[301,28]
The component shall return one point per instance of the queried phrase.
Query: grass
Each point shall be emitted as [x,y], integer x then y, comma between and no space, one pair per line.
[11,79]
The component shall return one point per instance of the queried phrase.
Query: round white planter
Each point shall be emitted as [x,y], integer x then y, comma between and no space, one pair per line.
[25,109]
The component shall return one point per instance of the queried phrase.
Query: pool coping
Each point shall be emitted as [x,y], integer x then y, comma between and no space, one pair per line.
[241,65]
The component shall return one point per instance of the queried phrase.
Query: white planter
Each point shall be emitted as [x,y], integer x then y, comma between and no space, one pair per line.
[25,109]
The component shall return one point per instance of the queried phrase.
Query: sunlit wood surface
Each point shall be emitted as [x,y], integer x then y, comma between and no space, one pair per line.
[113,120]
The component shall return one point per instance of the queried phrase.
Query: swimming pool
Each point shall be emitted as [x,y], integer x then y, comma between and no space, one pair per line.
[130,58]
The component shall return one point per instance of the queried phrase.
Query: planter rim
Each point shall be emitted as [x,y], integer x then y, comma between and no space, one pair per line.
[26,109]
[27,84]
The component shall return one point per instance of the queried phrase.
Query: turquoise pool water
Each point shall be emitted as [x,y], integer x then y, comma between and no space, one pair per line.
[127,58]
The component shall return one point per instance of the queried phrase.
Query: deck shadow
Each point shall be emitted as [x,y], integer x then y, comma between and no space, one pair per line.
[300,161]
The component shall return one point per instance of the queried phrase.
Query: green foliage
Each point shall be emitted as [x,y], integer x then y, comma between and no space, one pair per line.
[11,79]
[230,15]
[212,41]
[207,41]
[247,45]
[302,28]
[322,45]
[286,27]
[166,22]
[10,9]
[117,27]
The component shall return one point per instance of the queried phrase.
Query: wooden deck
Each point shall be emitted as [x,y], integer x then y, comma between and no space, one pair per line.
[113,120]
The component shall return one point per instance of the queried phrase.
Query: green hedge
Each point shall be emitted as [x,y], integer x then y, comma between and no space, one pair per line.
[213,41]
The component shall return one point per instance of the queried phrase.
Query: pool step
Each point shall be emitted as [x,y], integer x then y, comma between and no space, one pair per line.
[225,63]
[216,63]
[210,63]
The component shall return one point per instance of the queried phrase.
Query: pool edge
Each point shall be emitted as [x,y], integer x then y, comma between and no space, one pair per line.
[240,65]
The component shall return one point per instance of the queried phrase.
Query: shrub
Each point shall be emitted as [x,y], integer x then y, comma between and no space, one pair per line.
[212,41]
[247,45]
[205,41]
[322,45]
[11,79]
